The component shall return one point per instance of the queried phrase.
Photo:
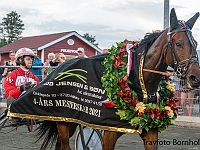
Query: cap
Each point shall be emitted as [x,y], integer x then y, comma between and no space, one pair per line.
[80,49]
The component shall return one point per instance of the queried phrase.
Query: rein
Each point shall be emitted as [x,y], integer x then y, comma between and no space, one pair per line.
[158,72]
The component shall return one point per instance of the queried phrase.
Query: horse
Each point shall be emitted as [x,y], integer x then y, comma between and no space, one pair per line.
[175,47]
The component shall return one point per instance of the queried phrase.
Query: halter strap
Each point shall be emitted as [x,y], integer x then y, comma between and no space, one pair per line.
[181,67]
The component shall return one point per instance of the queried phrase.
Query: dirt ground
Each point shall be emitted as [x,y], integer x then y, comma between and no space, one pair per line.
[21,139]
[170,139]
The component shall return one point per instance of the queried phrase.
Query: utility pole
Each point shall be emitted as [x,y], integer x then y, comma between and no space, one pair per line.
[166,14]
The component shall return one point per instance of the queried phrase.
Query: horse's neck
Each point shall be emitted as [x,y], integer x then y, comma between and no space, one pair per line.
[155,60]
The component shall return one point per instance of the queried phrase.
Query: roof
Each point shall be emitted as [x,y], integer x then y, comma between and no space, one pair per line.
[42,41]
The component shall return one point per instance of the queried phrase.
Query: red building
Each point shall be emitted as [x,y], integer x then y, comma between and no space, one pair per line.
[65,42]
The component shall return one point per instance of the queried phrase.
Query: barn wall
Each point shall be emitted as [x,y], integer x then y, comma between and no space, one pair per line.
[67,49]
[64,46]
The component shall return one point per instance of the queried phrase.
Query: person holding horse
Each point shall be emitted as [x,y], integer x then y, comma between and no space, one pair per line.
[21,79]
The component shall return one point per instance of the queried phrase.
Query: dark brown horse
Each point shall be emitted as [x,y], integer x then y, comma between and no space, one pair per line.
[173,47]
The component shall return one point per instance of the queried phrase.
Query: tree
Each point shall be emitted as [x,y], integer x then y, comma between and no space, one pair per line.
[11,28]
[2,38]
[90,38]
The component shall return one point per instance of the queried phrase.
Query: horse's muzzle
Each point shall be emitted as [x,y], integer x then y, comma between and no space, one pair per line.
[192,82]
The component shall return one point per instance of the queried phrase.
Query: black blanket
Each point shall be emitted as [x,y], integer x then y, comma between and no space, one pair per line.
[73,93]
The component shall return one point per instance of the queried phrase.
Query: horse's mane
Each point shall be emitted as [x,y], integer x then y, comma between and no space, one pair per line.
[144,45]
[148,40]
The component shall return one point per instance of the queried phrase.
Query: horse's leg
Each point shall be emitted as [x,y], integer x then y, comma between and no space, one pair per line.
[150,139]
[109,139]
[63,133]
[58,145]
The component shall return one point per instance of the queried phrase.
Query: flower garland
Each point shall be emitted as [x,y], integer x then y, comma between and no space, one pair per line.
[115,82]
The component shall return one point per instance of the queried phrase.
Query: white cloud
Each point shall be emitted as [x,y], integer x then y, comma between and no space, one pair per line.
[109,21]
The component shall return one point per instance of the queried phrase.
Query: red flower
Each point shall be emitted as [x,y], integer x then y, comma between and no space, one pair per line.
[166,112]
[127,88]
[161,116]
[172,103]
[139,114]
[120,94]
[108,104]
[157,112]
[118,60]
[134,102]
[128,94]
[152,115]
[116,64]
[122,83]
[125,95]
[123,49]
[147,111]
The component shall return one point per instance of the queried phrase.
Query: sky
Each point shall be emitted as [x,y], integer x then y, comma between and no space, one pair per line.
[110,21]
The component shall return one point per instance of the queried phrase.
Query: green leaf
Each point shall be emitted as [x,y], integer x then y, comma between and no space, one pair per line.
[135,121]
[146,128]
[121,113]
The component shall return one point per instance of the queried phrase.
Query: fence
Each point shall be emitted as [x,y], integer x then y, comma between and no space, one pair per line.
[46,67]
[195,100]
[189,100]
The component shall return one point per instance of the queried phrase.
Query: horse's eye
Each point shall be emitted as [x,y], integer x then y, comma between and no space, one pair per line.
[179,45]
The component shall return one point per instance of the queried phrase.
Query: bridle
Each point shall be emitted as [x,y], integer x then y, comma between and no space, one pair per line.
[181,67]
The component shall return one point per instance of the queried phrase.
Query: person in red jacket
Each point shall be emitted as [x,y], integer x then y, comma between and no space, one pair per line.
[21,79]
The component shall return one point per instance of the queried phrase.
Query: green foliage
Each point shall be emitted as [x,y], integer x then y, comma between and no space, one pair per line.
[3,42]
[90,38]
[11,27]
[138,114]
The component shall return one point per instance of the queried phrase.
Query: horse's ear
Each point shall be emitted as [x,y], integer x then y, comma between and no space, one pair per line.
[173,19]
[192,20]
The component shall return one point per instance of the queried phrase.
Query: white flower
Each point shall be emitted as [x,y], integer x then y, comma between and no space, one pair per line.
[171,114]
[140,107]
[170,86]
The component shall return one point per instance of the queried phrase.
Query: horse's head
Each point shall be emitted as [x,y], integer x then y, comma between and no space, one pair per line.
[182,54]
